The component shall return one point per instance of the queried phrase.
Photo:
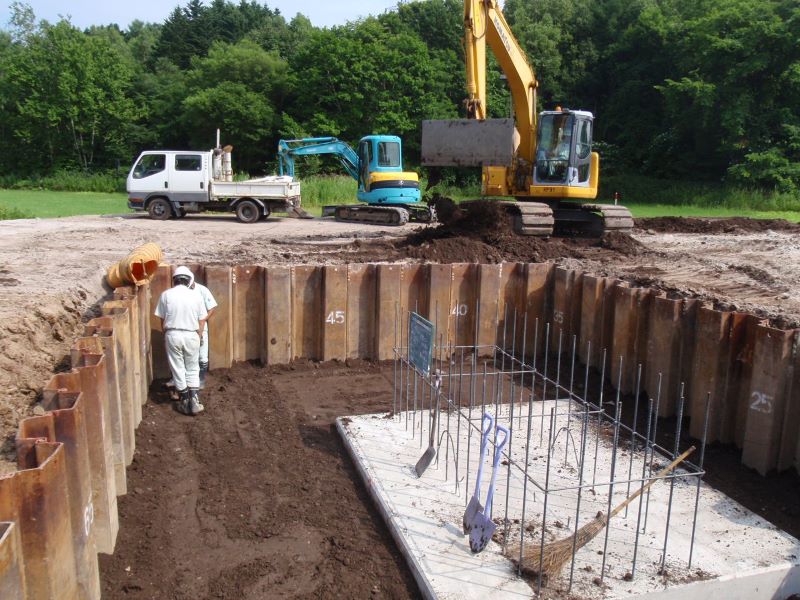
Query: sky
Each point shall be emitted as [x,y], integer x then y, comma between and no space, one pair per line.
[98,12]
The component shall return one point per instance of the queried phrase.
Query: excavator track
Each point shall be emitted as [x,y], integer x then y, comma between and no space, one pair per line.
[615,217]
[381,215]
[532,218]
[592,220]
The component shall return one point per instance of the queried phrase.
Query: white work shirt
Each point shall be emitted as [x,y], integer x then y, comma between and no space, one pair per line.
[181,308]
[206,295]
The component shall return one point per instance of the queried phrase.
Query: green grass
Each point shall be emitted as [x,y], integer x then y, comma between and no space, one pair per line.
[640,190]
[68,181]
[664,210]
[320,190]
[645,197]
[20,204]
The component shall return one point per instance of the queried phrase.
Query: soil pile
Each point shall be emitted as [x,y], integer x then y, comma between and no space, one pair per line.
[715,226]
[485,233]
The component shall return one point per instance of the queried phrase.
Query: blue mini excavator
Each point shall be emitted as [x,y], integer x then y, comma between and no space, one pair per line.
[390,196]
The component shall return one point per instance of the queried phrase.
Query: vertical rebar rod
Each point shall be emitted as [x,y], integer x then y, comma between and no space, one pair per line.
[500,385]
[458,411]
[546,495]
[450,354]
[394,365]
[527,457]
[672,480]
[633,431]
[584,434]
[544,381]
[483,395]
[510,432]
[617,414]
[522,366]
[408,366]
[600,414]
[511,376]
[558,368]
[652,450]
[473,368]
[699,476]
[644,469]
[569,397]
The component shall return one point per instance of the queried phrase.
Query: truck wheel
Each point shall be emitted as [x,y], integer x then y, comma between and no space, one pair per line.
[159,209]
[248,212]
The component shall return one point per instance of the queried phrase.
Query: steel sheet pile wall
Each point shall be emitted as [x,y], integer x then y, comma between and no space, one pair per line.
[276,314]
[60,508]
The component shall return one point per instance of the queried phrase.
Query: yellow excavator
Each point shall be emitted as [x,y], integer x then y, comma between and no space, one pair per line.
[544,161]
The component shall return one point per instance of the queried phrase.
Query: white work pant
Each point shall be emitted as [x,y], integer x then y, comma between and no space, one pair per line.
[204,346]
[183,355]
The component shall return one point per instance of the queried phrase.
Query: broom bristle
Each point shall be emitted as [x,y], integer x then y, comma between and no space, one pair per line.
[548,561]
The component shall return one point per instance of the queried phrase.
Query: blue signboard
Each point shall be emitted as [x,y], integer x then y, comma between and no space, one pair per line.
[420,343]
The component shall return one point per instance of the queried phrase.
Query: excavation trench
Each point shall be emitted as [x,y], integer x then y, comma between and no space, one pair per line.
[259,494]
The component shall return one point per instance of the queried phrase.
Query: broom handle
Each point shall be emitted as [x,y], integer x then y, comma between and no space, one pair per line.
[647,486]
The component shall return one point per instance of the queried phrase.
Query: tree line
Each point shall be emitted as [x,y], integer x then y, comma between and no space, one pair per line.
[686,89]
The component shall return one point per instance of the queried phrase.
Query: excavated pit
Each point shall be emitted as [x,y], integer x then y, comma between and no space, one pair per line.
[212,495]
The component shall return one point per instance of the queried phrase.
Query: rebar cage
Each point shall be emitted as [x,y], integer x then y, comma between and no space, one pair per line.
[572,455]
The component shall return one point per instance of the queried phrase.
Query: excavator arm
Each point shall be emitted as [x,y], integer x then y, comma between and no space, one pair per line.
[289,149]
[484,23]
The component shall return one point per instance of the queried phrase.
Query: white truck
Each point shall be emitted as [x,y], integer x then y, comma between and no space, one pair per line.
[172,183]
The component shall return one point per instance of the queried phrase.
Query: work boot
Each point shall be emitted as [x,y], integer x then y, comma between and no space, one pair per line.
[195,408]
[203,372]
[184,403]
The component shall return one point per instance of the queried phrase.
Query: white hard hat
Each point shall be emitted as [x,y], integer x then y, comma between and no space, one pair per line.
[184,271]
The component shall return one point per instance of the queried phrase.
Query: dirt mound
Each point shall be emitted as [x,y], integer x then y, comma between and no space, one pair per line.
[486,234]
[715,226]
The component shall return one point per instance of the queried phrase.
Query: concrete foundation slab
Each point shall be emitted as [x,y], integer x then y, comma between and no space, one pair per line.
[736,555]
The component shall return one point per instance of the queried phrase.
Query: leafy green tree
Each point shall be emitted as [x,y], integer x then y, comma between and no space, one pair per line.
[70,99]
[239,88]
[360,79]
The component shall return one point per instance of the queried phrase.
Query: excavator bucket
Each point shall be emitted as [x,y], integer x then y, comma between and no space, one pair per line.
[468,142]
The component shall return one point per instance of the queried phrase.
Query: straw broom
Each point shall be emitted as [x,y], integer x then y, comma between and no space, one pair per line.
[555,555]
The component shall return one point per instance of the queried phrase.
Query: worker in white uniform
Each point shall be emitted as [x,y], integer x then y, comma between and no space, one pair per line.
[183,316]
[210,304]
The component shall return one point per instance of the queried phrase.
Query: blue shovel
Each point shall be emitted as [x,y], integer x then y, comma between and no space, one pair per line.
[474,507]
[483,527]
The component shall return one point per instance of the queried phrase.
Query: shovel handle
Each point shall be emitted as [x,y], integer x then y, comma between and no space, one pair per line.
[497,454]
[485,431]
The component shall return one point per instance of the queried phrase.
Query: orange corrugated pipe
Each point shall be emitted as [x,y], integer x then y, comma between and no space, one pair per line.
[136,268]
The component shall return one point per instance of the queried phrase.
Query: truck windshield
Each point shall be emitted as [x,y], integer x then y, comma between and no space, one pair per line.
[148,165]
[388,154]
[554,147]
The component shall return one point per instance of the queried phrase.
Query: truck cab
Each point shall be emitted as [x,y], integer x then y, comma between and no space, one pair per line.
[381,179]
[173,177]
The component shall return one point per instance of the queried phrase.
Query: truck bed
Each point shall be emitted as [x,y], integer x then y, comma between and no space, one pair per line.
[270,188]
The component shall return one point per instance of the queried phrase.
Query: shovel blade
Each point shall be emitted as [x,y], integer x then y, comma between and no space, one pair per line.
[424,461]
[481,533]
[474,508]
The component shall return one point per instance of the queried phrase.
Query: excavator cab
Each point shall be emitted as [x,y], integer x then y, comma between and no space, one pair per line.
[381,179]
[564,158]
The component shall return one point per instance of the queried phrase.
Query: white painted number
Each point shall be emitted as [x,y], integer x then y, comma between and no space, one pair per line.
[335,317]
[761,402]
[558,316]
[459,310]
